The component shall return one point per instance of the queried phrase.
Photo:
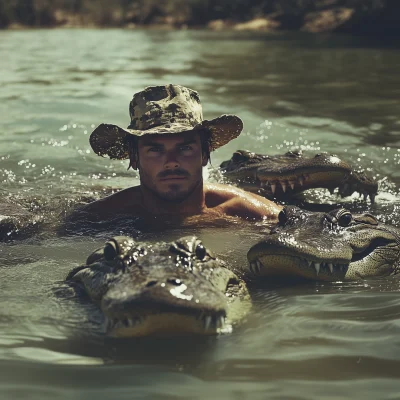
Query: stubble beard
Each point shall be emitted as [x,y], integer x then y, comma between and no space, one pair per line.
[174,194]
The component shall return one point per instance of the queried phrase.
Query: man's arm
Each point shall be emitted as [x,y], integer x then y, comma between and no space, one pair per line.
[237,202]
[252,206]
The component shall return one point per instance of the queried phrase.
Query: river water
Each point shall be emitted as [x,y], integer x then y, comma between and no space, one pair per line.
[315,93]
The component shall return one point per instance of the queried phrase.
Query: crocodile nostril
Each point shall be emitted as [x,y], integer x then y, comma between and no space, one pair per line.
[151,283]
[175,282]
[274,230]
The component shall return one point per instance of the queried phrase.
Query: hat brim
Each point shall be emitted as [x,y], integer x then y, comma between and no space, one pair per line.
[110,140]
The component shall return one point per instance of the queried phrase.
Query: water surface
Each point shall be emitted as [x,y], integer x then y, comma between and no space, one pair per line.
[315,93]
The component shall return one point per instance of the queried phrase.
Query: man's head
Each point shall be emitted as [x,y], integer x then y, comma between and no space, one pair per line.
[165,115]
[170,166]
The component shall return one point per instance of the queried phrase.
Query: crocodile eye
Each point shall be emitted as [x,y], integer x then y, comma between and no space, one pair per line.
[293,154]
[201,251]
[344,219]
[282,217]
[175,281]
[110,251]
[237,156]
[95,256]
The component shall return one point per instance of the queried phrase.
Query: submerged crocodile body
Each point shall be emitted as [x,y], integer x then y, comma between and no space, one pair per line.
[161,288]
[283,176]
[17,221]
[22,217]
[327,246]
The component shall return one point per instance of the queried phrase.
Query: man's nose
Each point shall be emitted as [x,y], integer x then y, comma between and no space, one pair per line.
[171,160]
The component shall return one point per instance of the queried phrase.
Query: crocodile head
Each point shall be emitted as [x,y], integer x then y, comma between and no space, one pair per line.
[283,176]
[326,246]
[161,288]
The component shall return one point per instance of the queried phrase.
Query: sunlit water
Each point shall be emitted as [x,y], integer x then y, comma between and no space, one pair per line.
[322,341]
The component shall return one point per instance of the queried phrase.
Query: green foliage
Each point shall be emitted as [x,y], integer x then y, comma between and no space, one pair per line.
[25,12]
[191,12]
[5,14]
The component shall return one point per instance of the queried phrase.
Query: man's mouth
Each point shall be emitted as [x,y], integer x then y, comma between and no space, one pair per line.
[173,178]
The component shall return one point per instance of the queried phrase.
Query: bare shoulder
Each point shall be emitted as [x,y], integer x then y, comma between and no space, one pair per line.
[221,192]
[120,202]
[232,200]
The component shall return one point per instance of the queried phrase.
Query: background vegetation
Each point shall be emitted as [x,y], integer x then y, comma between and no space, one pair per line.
[290,14]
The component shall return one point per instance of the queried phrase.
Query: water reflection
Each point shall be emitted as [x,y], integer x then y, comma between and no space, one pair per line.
[303,340]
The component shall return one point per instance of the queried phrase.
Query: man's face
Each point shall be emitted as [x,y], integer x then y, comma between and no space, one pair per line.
[171,165]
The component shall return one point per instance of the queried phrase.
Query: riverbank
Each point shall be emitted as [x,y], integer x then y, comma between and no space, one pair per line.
[355,17]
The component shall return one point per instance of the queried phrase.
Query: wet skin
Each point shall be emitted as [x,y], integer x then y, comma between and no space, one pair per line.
[171,185]
[170,167]
[161,288]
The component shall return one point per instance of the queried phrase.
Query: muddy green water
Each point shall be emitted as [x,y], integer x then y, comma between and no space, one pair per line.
[316,93]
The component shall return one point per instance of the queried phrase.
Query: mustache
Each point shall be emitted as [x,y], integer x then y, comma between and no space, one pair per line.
[175,172]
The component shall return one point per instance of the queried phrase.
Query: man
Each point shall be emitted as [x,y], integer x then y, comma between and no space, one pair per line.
[169,143]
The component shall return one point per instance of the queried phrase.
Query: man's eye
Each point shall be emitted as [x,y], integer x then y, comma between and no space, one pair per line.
[154,149]
[185,148]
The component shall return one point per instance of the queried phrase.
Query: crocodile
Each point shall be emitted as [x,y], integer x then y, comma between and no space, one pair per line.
[17,221]
[23,216]
[332,246]
[162,288]
[283,176]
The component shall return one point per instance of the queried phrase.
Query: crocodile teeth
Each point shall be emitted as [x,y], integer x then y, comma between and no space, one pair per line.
[301,181]
[126,323]
[255,267]
[220,322]
[207,322]
[273,186]
[132,322]
[259,266]
[252,267]
[119,324]
[331,266]
[283,184]
[317,267]
[291,184]
[107,324]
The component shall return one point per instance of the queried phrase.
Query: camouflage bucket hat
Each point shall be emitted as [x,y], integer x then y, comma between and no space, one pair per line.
[166,109]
